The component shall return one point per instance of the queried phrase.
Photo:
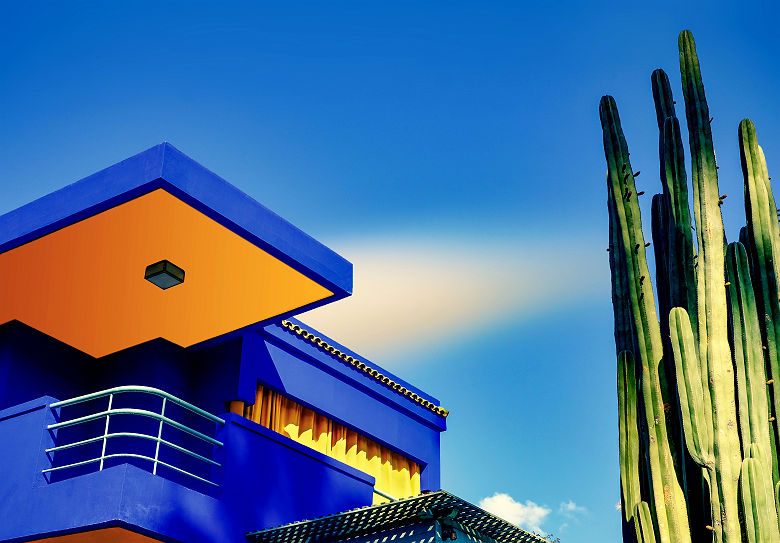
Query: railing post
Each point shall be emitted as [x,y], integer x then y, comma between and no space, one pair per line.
[159,436]
[105,432]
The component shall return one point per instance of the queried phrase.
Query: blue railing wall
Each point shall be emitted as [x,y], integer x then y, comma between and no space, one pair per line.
[143,426]
[265,479]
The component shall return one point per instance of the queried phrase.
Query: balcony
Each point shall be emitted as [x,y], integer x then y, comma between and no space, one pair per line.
[141,459]
[143,426]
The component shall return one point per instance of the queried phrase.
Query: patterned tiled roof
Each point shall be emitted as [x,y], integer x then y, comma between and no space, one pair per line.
[362,366]
[398,514]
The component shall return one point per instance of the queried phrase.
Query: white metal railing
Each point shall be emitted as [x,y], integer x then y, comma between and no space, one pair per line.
[163,420]
[385,495]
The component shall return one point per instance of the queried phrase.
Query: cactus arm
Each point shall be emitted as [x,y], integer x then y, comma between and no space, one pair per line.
[758,502]
[675,194]
[748,355]
[762,231]
[713,317]
[696,418]
[666,373]
[675,191]
[771,198]
[659,221]
[629,433]
[671,513]
[677,267]
[709,224]
[662,97]
[774,224]
[624,332]
[681,268]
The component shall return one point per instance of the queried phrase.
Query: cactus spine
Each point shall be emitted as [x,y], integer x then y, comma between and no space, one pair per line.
[698,435]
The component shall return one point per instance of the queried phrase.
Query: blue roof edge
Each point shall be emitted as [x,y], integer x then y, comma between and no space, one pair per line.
[164,166]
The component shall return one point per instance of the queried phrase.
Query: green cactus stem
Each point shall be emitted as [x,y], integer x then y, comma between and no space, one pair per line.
[715,353]
[748,356]
[697,419]
[669,503]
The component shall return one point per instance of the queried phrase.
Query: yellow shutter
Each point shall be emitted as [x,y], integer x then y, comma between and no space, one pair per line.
[394,473]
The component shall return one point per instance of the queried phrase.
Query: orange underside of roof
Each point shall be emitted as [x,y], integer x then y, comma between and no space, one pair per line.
[84,284]
[113,535]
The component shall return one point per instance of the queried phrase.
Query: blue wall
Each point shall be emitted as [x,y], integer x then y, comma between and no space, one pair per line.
[33,364]
[265,479]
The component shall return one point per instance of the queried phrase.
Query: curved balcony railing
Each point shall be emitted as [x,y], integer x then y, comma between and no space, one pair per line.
[107,435]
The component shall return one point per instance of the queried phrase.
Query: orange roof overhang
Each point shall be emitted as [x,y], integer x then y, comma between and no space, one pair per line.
[101,535]
[76,271]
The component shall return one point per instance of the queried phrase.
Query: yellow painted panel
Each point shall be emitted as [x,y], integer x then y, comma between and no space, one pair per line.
[84,284]
[394,473]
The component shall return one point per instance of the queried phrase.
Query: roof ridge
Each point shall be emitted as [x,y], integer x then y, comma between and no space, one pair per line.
[365,368]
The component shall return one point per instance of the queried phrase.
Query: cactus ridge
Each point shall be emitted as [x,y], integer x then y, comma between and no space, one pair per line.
[629,433]
[643,523]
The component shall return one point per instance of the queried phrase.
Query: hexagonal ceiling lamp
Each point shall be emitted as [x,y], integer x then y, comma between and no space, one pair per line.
[164,274]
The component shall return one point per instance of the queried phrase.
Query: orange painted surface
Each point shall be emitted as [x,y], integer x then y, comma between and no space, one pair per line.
[84,284]
[105,535]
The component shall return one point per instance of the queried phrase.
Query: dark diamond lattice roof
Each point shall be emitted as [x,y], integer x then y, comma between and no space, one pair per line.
[396,514]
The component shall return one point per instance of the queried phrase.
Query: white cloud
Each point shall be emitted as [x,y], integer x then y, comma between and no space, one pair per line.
[571,509]
[413,293]
[526,515]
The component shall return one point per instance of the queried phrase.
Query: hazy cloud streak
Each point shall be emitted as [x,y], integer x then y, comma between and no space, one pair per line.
[411,294]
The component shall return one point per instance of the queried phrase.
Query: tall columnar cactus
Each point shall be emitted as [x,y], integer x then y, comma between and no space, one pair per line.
[698,429]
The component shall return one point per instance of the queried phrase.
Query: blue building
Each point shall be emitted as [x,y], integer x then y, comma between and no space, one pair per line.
[155,386]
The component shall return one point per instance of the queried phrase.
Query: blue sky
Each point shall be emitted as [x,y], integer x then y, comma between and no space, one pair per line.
[450,150]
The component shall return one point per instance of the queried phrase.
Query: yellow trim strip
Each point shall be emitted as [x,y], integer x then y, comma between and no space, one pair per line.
[305,334]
